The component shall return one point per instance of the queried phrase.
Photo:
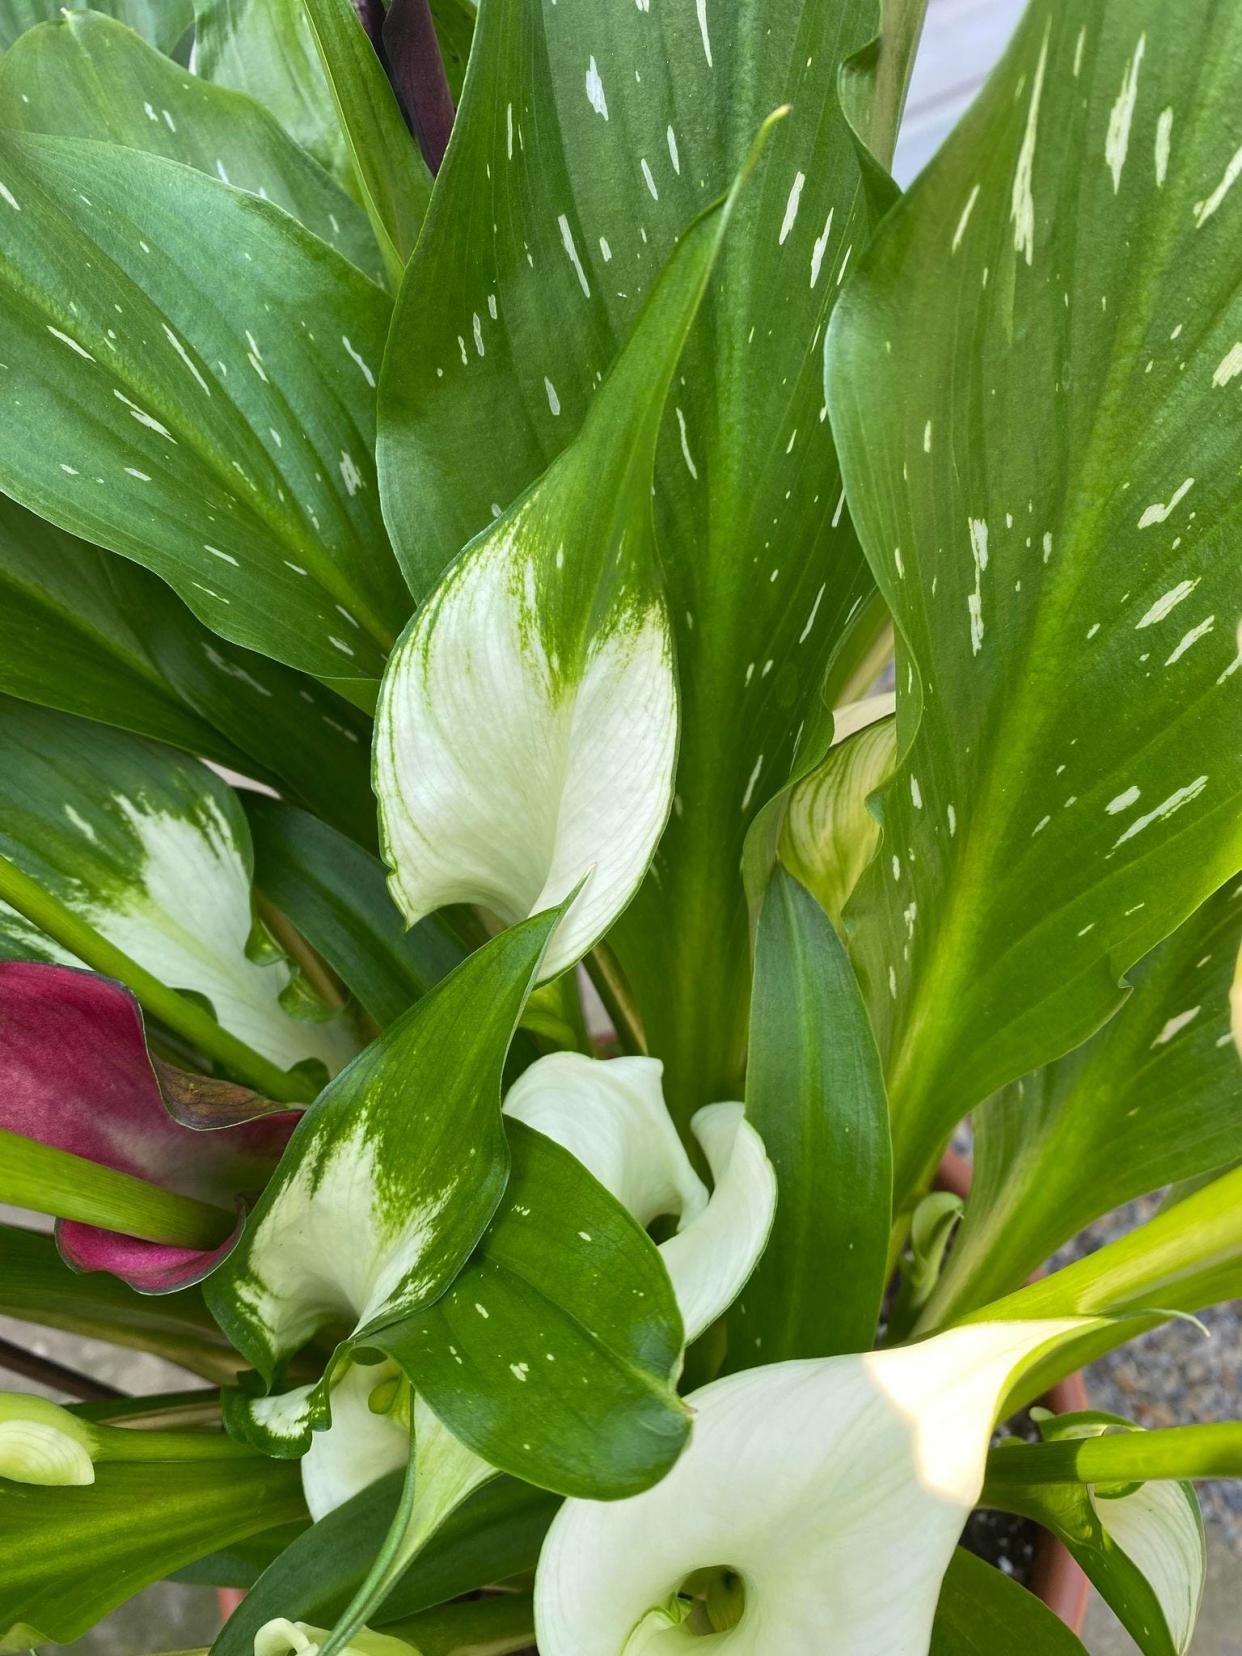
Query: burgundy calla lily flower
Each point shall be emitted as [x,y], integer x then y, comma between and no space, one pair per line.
[75,1073]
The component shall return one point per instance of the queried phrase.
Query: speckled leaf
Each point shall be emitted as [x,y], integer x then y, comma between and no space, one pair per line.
[84,76]
[588,136]
[389,173]
[96,635]
[507,775]
[151,849]
[1154,1098]
[334,892]
[553,1354]
[1033,385]
[392,1176]
[267,48]
[162,22]
[189,379]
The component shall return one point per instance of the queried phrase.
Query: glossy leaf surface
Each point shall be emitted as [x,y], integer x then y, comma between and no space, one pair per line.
[151,849]
[1154,1098]
[1068,700]
[162,22]
[218,443]
[68,1556]
[815,1094]
[553,1352]
[96,635]
[983,1612]
[588,137]
[85,76]
[335,894]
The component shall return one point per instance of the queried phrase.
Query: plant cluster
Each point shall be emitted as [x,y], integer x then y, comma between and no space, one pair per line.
[487,972]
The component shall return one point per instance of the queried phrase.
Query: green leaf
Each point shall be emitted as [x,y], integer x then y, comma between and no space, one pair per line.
[815,1095]
[1154,1098]
[84,76]
[1068,701]
[37,1286]
[96,635]
[389,172]
[1186,1257]
[1142,1547]
[150,849]
[232,438]
[510,776]
[494,1534]
[503,1622]
[984,1613]
[162,22]
[68,1556]
[587,138]
[553,1353]
[336,896]
[267,48]
[455,22]
[390,1179]
[69,637]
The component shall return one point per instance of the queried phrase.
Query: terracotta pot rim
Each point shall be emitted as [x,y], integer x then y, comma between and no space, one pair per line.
[1055,1575]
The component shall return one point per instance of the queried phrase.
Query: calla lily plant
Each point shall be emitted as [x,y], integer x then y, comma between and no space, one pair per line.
[582,683]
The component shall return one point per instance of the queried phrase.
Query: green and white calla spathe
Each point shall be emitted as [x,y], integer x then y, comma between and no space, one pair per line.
[612,1117]
[527,723]
[836,1488]
[151,849]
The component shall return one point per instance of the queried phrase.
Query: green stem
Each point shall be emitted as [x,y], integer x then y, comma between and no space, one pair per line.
[1213,1451]
[47,1180]
[610,985]
[121,1443]
[180,1014]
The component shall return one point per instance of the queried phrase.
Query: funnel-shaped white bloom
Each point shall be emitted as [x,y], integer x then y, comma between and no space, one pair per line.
[836,1488]
[505,772]
[611,1114]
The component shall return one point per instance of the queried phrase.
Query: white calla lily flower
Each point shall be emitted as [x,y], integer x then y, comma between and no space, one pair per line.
[835,1488]
[611,1115]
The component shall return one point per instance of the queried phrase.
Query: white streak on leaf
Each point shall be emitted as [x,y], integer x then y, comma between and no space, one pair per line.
[1159,511]
[1175,1024]
[685,446]
[1164,143]
[567,240]
[1023,207]
[1205,209]
[1166,808]
[1167,602]
[651,183]
[366,370]
[791,206]
[820,247]
[67,339]
[1192,637]
[701,8]
[1117,141]
[1230,365]
[974,600]
[594,91]
[964,220]
[1122,802]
